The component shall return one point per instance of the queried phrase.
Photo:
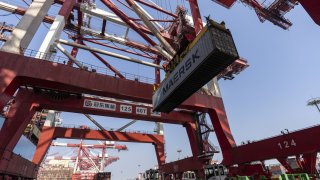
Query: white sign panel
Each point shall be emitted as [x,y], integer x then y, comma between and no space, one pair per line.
[141,110]
[99,105]
[125,108]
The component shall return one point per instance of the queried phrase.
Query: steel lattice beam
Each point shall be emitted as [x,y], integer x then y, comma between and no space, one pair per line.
[50,133]
[134,26]
[48,19]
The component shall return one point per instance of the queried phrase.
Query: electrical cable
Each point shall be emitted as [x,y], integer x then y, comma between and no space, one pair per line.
[6,14]
[26,2]
[17,17]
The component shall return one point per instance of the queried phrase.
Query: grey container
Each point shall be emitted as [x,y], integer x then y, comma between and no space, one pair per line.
[212,53]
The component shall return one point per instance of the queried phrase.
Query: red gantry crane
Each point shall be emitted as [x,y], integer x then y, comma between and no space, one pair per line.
[86,163]
[277,9]
[36,80]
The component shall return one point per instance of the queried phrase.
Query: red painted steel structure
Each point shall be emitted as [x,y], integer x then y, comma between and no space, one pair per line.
[37,102]
[50,133]
[291,144]
[120,49]
[17,71]
[202,102]
[184,165]
[235,68]
[105,62]
[274,13]
[49,19]
[130,22]
[233,155]
[17,119]
[85,160]
[66,9]
[76,105]
[140,30]
[225,3]
[75,50]
[16,166]
[271,15]
[197,21]
[27,102]
[131,43]
[312,7]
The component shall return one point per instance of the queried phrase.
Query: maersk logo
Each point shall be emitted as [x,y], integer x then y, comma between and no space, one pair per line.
[181,72]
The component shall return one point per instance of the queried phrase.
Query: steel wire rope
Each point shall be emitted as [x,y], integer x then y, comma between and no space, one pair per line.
[124,4]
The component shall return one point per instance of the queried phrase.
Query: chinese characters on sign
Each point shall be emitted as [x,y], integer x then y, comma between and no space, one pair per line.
[125,108]
[99,105]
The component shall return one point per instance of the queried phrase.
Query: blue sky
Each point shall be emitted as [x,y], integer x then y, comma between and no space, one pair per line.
[269,96]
